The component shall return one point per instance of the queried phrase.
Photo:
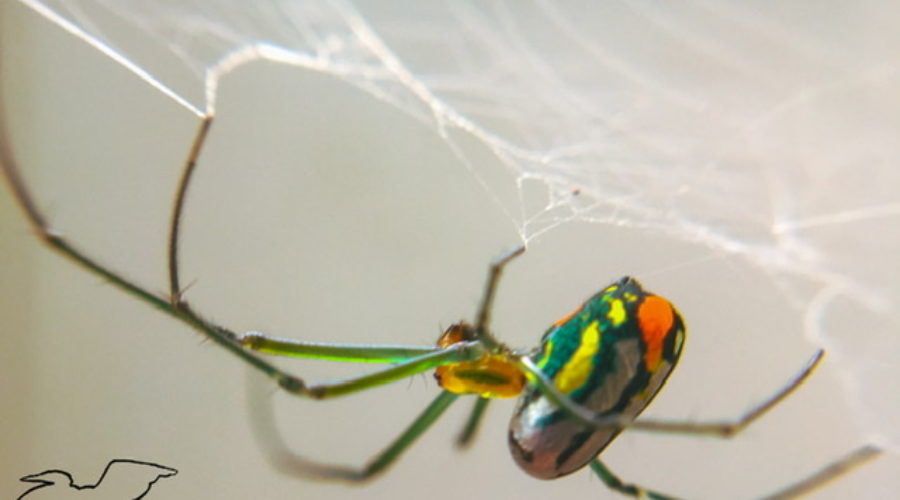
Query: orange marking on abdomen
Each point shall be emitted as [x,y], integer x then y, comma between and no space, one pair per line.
[655,319]
[567,317]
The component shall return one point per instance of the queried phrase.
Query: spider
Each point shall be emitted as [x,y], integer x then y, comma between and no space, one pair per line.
[592,374]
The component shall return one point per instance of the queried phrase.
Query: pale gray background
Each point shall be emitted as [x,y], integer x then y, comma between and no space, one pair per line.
[323,214]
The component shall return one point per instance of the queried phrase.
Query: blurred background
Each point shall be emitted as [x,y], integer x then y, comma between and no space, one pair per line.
[741,163]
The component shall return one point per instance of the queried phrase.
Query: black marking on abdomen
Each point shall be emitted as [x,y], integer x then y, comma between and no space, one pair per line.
[575,444]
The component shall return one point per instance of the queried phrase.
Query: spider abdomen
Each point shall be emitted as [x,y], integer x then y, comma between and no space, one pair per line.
[611,356]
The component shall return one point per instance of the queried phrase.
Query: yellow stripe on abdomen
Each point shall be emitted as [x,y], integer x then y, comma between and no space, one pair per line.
[578,368]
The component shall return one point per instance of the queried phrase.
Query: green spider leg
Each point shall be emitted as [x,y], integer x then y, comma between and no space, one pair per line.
[288,462]
[355,353]
[470,430]
[483,318]
[827,473]
[56,242]
[612,481]
[795,490]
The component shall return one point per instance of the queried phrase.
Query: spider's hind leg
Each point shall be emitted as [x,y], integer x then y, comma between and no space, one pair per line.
[830,472]
[795,490]
[612,481]
[473,423]
[289,462]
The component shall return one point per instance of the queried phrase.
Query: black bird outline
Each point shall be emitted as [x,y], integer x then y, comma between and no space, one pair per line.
[60,478]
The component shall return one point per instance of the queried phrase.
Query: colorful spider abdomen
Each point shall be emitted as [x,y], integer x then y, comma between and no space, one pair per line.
[490,376]
[612,355]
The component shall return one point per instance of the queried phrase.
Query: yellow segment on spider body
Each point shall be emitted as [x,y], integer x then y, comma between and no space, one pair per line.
[490,376]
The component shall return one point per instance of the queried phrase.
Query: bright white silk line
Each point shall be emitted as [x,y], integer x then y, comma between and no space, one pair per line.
[116,56]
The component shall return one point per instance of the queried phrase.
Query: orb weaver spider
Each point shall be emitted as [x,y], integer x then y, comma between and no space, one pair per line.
[593,373]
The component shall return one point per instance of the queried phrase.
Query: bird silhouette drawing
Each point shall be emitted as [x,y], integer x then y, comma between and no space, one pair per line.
[122,479]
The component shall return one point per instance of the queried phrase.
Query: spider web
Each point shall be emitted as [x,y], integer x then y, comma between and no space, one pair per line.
[763,135]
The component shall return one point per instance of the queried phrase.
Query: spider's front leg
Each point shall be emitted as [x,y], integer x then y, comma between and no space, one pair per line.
[410,360]
[56,242]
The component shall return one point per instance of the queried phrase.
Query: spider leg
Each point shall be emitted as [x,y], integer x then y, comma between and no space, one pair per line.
[483,318]
[828,473]
[793,491]
[714,428]
[175,290]
[612,481]
[56,242]
[289,462]
[358,353]
[473,423]
[460,352]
